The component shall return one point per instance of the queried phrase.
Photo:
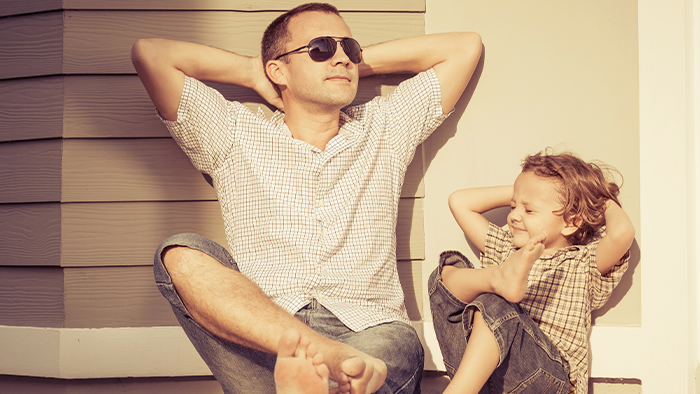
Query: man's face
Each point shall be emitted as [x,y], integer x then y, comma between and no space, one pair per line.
[331,84]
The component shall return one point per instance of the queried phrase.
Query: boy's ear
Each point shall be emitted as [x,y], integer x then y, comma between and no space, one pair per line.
[571,227]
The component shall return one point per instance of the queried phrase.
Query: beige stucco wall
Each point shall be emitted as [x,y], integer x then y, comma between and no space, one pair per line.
[559,74]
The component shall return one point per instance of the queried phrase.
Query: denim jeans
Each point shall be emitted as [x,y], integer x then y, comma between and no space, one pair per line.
[242,370]
[529,362]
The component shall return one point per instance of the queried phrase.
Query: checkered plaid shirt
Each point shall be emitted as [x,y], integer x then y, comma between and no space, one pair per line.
[308,224]
[563,289]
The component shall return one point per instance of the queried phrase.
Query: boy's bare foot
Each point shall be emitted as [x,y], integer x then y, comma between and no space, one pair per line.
[509,280]
[299,368]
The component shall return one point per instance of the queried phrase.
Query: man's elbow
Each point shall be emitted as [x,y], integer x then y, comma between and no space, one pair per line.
[141,52]
[470,45]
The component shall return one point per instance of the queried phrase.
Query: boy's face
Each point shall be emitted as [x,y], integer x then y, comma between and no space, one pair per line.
[533,206]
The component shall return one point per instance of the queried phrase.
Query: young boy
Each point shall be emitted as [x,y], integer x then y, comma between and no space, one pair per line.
[526,314]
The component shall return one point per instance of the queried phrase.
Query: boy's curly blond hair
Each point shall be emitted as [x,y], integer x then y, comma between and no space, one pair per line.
[584,188]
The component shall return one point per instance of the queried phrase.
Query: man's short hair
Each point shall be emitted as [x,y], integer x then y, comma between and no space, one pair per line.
[277,34]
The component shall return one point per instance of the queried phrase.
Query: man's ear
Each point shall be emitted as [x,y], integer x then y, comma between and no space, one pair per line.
[571,227]
[276,72]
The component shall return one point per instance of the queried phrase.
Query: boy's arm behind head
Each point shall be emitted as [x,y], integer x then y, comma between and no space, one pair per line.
[468,205]
[619,234]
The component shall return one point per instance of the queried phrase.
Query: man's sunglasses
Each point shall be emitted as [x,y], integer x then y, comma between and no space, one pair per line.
[321,49]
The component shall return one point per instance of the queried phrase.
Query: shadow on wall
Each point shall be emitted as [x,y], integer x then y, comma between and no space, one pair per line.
[448,129]
[625,284]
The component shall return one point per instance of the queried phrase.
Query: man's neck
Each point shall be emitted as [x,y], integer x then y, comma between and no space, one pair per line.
[316,128]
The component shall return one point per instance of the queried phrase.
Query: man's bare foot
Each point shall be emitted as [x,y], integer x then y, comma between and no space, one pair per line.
[357,372]
[299,368]
[509,280]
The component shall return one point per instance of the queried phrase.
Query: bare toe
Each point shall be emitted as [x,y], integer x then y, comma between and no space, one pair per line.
[288,343]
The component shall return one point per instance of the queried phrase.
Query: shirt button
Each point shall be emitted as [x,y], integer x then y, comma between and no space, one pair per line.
[324,232]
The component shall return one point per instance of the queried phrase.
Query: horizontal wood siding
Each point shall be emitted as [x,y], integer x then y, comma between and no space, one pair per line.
[30,171]
[97,297]
[31,45]
[123,234]
[31,108]
[17,7]
[31,296]
[130,170]
[30,234]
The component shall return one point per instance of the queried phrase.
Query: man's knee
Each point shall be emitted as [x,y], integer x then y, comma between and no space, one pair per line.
[398,345]
[179,247]
[401,345]
[174,255]
[187,240]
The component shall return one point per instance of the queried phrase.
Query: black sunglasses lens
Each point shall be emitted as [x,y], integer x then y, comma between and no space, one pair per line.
[322,48]
[352,49]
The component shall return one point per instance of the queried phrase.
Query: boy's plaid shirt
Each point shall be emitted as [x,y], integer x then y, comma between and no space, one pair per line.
[563,289]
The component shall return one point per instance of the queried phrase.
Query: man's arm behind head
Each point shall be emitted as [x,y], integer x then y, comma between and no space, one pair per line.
[454,57]
[162,65]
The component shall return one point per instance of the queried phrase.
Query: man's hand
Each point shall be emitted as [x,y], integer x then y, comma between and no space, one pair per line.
[264,87]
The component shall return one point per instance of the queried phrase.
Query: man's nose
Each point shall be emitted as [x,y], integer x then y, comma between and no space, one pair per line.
[340,57]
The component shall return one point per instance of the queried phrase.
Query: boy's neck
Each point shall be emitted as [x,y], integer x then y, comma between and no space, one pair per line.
[557,244]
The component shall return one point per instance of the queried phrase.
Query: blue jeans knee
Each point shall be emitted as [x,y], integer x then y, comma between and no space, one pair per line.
[192,241]
[448,312]
[528,360]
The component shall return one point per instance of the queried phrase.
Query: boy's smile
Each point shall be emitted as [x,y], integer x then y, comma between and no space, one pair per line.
[533,210]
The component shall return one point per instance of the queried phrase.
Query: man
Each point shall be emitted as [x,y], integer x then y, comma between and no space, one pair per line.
[309,197]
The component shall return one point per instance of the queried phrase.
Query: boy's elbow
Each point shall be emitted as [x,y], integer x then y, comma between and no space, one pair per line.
[623,235]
